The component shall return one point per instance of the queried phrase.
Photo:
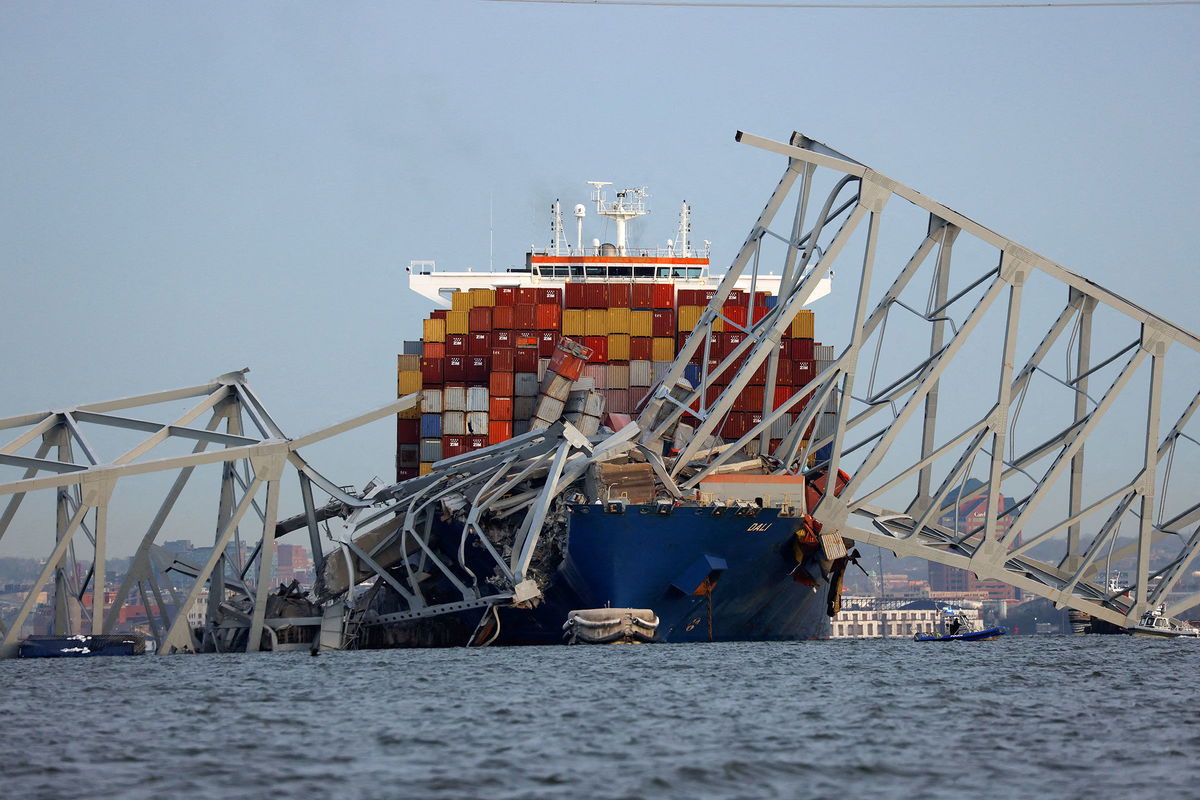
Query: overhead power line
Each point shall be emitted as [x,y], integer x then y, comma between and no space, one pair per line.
[860,6]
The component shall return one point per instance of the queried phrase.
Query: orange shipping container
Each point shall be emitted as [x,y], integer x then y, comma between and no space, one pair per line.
[499,430]
[500,384]
[500,407]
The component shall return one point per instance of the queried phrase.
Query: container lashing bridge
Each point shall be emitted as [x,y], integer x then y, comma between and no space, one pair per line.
[972,372]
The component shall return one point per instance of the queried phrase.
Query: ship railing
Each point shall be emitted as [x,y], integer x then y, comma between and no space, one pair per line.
[610,251]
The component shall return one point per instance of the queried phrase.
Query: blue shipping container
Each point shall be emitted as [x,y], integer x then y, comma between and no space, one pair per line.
[692,373]
[431,426]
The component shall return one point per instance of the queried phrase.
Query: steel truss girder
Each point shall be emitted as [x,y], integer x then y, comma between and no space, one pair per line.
[85,486]
[903,507]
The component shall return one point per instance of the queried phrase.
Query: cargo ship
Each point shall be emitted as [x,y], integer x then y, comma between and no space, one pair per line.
[710,571]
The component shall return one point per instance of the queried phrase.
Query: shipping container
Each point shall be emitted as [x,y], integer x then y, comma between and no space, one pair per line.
[453,446]
[454,398]
[434,330]
[547,340]
[412,412]
[802,350]
[598,374]
[408,431]
[549,317]
[506,296]
[637,398]
[618,376]
[661,368]
[477,442]
[479,368]
[618,347]
[617,401]
[641,323]
[434,350]
[503,318]
[408,363]
[456,344]
[407,382]
[574,322]
[802,325]
[619,295]
[479,344]
[431,401]
[525,317]
[502,359]
[641,348]
[477,398]
[500,430]
[662,322]
[431,425]
[408,456]
[456,369]
[460,301]
[504,339]
[413,348]
[432,371]
[477,423]
[556,386]
[575,296]
[458,322]
[596,295]
[424,469]
[525,384]
[550,295]
[543,364]
[568,359]
[595,322]
[483,297]
[824,352]
[480,319]
[501,384]
[619,320]
[749,399]
[663,295]
[805,371]
[640,373]
[642,295]
[735,314]
[662,348]
[549,409]
[454,423]
[691,373]
[599,347]
[500,407]
[689,318]
[431,449]
[527,295]
[438,313]
[737,297]
[525,360]
[523,408]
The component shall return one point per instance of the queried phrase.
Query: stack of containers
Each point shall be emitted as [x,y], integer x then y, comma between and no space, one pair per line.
[481,363]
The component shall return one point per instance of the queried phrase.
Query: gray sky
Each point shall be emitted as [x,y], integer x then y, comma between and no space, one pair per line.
[190,189]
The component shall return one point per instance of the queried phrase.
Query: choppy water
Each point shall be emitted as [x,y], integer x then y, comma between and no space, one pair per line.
[1060,717]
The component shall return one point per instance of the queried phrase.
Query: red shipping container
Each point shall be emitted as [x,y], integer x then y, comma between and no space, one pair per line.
[640,348]
[750,399]
[596,295]
[525,316]
[479,344]
[760,312]
[456,344]
[599,347]
[506,296]
[408,431]
[479,318]
[576,296]
[687,297]
[704,296]
[439,313]
[759,378]
[619,295]
[549,317]
[453,446]
[500,384]
[477,442]
[406,473]
[784,374]
[801,349]
[642,295]
[663,295]
[732,340]
[525,359]
[455,368]
[527,296]
[433,350]
[760,299]
[502,359]
[523,341]
[737,297]
[565,363]
[432,371]
[637,396]
[735,426]
[784,393]
[697,355]
[547,340]
[499,430]
[662,322]
[804,371]
[735,314]
[616,401]
[550,296]
[500,407]
[504,339]
[503,318]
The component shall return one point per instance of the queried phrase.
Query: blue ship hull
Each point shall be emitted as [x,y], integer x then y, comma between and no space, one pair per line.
[708,578]
[81,646]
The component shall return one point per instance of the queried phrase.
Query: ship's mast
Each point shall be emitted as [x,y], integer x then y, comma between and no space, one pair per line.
[685,227]
[558,237]
[630,203]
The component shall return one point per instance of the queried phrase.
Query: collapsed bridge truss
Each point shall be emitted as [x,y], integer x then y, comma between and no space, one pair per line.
[972,372]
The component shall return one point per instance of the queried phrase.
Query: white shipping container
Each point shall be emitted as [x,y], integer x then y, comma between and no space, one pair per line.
[641,373]
[826,424]
[549,409]
[454,398]
[477,423]
[661,368]
[618,376]
[454,423]
[431,401]
[779,427]
[594,404]
[583,384]
[588,425]
[556,386]
[823,352]
[598,373]
[477,399]
[543,365]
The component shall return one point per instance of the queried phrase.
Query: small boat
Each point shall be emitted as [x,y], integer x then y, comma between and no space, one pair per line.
[971,636]
[1156,624]
[957,627]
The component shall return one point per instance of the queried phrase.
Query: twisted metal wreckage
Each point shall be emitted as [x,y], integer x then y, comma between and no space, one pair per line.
[1049,520]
